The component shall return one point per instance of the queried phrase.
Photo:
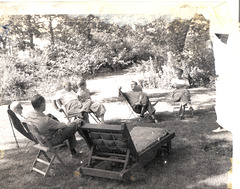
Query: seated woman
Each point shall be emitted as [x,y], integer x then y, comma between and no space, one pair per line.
[139,101]
[69,100]
[17,108]
[84,97]
[181,93]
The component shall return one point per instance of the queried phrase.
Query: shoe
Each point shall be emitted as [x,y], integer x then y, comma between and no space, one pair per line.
[219,129]
[182,117]
[77,155]
[191,111]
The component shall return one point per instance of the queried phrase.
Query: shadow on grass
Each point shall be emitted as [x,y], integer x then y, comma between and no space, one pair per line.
[163,96]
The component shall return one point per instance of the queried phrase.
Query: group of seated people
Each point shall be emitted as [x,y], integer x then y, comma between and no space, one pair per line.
[80,103]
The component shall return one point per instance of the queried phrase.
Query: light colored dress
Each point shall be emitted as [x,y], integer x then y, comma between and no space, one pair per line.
[96,107]
[181,93]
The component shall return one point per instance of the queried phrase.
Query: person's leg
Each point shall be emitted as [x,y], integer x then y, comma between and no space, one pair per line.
[185,100]
[182,111]
[143,110]
[67,133]
[102,119]
[154,117]
[99,110]
[86,105]
[152,111]
[85,117]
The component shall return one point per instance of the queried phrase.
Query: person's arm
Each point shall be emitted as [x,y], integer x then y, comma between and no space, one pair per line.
[55,125]
[180,83]
[83,95]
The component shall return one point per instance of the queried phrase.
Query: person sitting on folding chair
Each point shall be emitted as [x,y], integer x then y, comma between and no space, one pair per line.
[54,131]
[181,93]
[69,99]
[139,101]
[84,97]
[17,108]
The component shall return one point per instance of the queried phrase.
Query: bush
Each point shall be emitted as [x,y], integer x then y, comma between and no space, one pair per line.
[15,81]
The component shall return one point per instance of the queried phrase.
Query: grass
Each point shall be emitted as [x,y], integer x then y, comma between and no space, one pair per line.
[199,158]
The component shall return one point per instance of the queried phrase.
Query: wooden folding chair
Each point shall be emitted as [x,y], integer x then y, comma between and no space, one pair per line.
[46,153]
[117,154]
[176,109]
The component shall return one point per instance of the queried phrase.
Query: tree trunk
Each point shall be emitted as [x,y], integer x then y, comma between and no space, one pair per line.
[30,32]
[51,31]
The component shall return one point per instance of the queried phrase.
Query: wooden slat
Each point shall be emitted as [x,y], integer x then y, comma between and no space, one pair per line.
[104,173]
[39,171]
[108,159]
[111,154]
[41,147]
[43,161]
[102,127]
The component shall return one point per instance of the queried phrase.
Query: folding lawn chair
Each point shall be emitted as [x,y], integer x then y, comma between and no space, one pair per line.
[46,152]
[137,109]
[176,109]
[19,126]
[85,115]
[117,154]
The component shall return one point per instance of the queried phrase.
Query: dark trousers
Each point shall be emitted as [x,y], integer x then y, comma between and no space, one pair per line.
[61,135]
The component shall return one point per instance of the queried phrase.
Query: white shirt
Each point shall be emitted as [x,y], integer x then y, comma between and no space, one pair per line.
[66,96]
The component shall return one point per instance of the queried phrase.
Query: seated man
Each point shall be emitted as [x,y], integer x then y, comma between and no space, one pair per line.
[181,93]
[70,101]
[85,98]
[139,101]
[17,108]
[54,131]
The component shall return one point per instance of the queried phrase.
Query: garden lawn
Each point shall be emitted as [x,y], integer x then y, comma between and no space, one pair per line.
[199,158]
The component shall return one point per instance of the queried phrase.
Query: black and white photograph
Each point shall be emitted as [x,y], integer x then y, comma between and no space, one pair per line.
[119,95]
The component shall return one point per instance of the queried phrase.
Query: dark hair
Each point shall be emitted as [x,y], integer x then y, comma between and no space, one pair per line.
[135,83]
[37,100]
[178,70]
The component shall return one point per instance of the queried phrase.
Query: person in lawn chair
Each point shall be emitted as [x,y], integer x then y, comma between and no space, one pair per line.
[17,108]
[69,99]
[54,131]
[139,101]
[84,97]
[181,93]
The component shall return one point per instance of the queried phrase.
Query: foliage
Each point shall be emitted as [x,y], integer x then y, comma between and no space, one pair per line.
[17,78]
[76,46]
